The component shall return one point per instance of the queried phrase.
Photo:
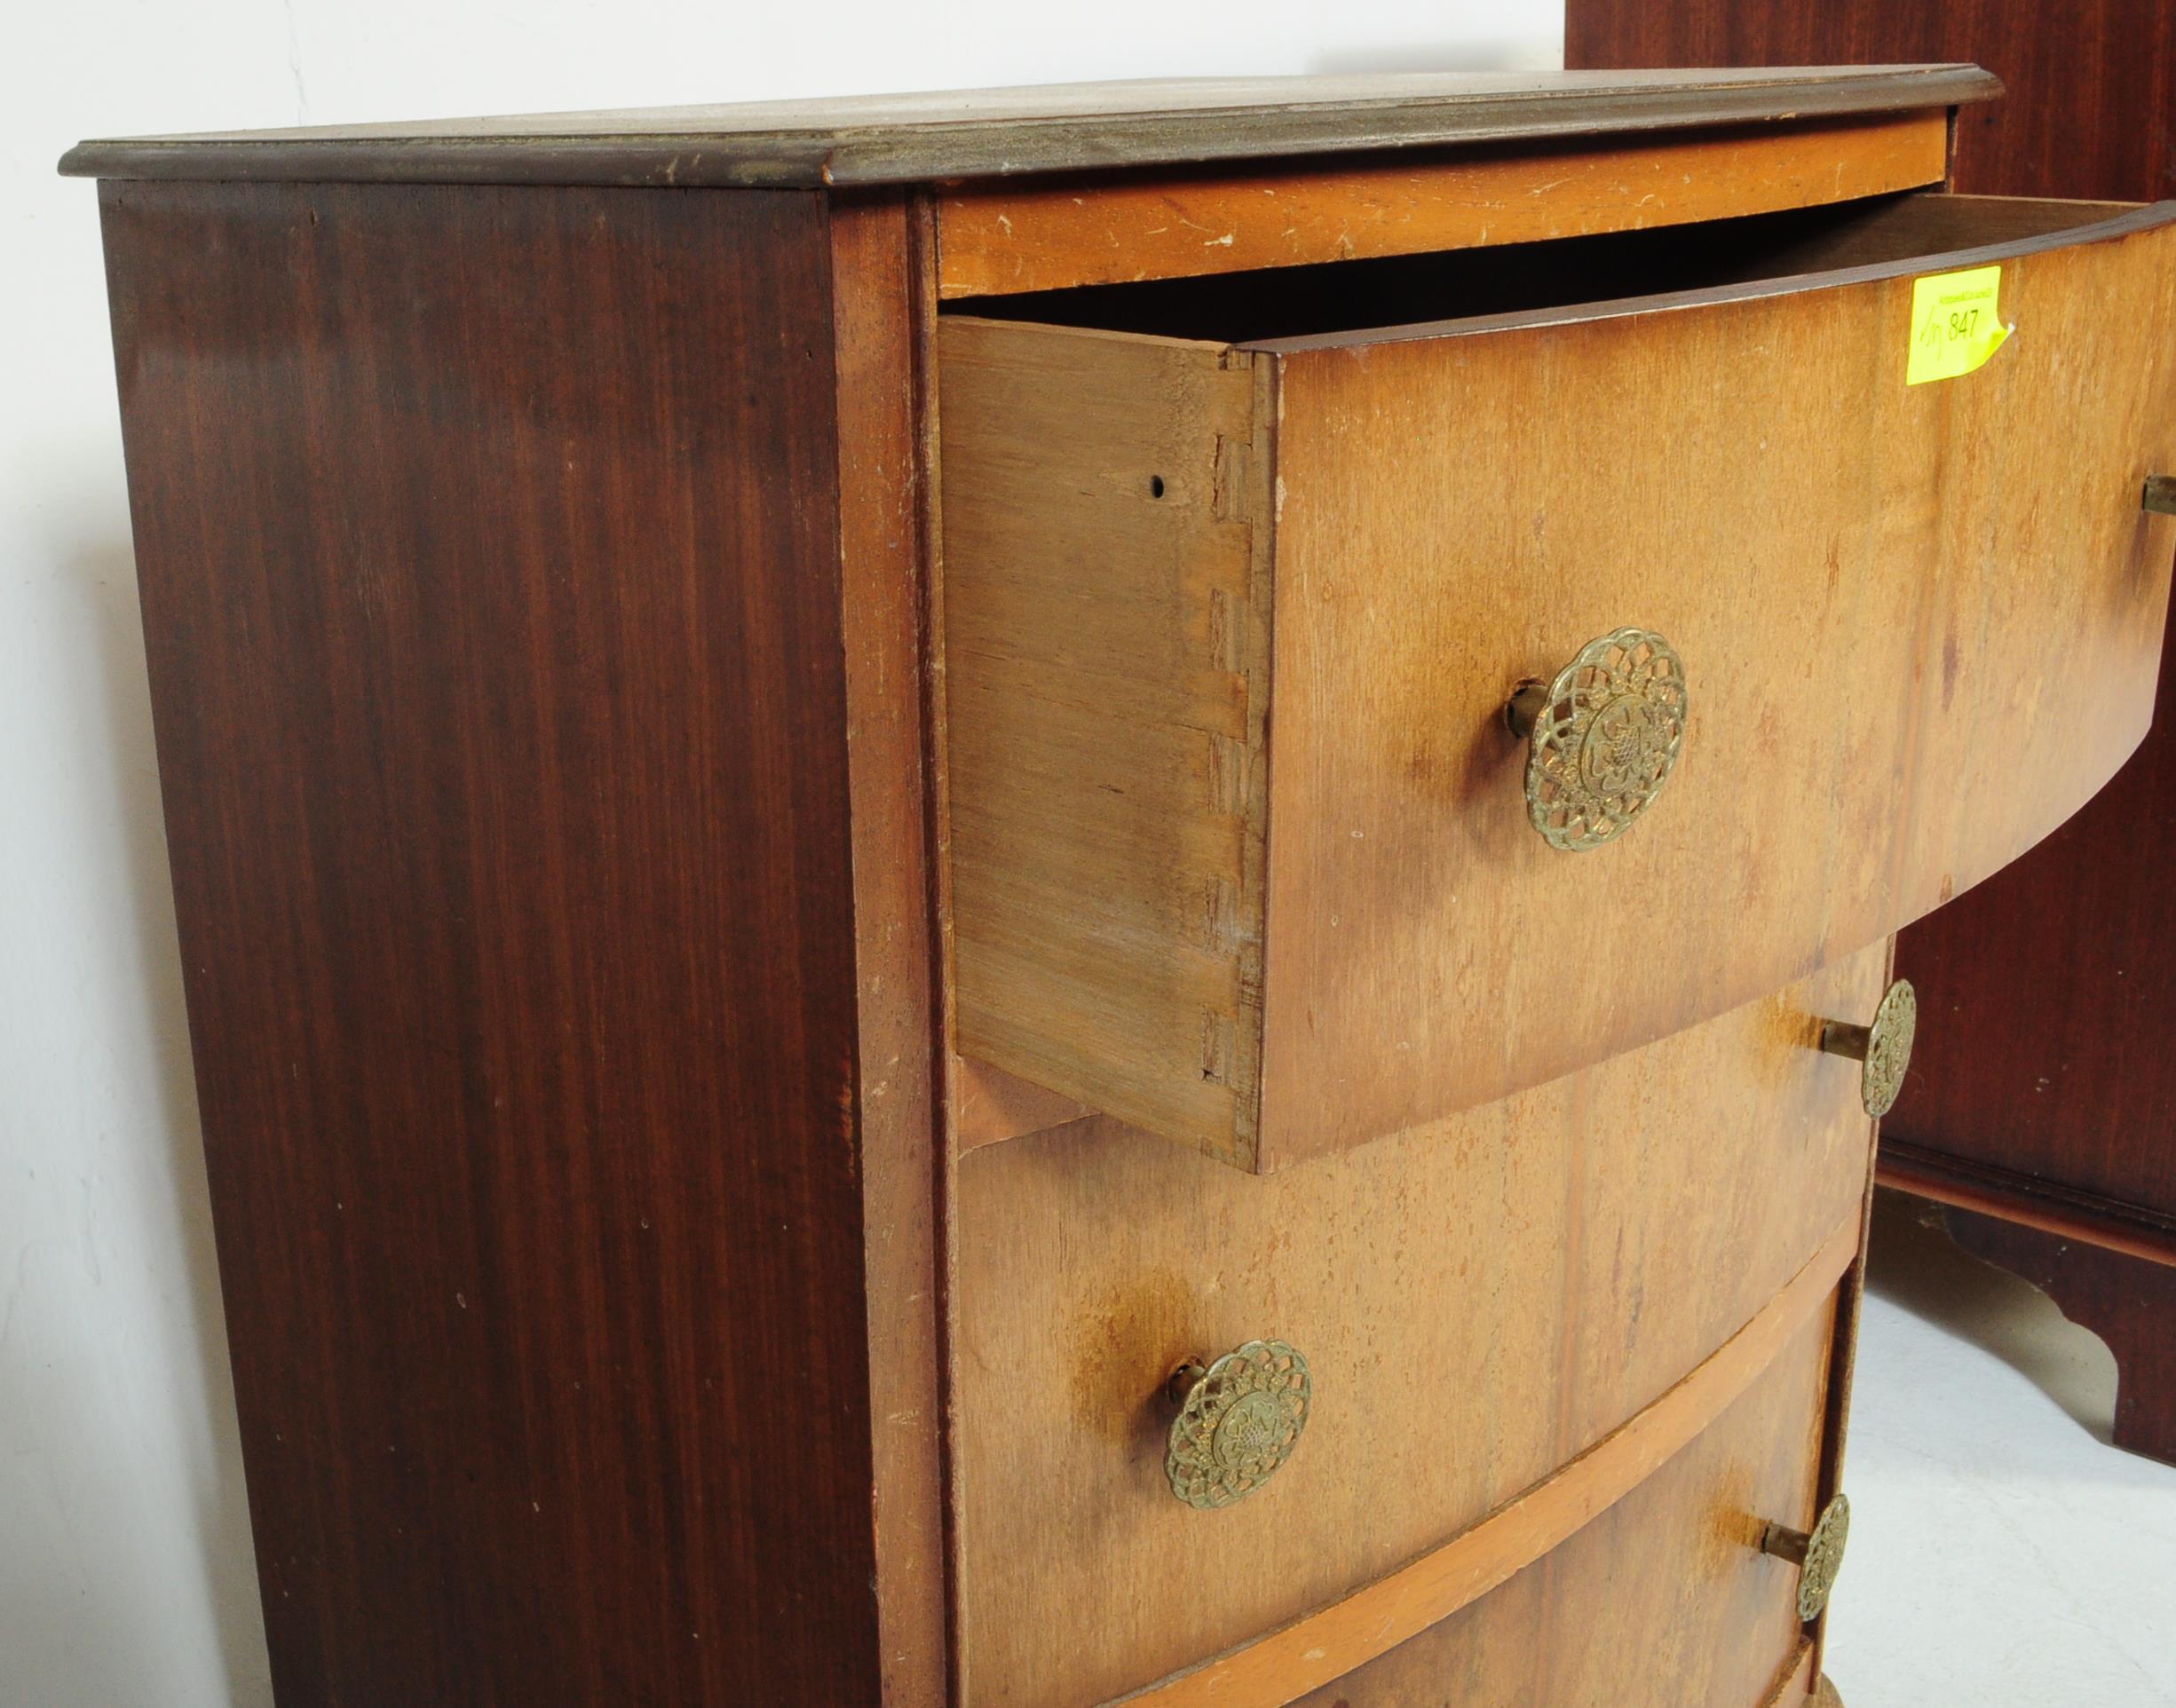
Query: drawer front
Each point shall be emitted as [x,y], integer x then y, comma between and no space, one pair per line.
[1666,1601]
[1479,1301]
[1242,849]
[1920,626]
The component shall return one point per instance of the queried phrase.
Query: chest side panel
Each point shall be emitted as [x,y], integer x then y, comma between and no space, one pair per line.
[487,542]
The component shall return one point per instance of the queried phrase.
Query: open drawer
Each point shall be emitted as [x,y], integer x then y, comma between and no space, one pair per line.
[1244,851]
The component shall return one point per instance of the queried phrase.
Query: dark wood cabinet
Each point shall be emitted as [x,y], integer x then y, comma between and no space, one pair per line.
[2041,1109]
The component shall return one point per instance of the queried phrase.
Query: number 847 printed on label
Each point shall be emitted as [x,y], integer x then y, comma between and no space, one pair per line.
[1956,323]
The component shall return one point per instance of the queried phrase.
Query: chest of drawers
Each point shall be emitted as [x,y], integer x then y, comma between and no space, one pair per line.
[1081,896]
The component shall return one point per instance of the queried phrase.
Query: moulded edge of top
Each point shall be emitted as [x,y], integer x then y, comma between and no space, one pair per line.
[995,133]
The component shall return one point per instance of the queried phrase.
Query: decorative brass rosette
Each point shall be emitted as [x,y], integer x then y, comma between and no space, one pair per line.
[1818,1555]
[1238,1424]
[1605,738]
[1888,1049]
[1824,1558]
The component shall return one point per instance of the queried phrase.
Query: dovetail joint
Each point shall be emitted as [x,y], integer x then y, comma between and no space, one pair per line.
[1228,764]
[1217,1039]
[1228,492]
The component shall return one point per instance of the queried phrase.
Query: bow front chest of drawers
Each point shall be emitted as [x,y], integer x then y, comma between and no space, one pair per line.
[1083,895]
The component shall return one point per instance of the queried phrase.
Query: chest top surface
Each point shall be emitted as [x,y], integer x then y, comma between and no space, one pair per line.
[1063,127]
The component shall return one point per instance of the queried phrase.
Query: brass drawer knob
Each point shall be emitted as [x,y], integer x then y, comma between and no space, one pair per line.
[1818,1555]
[2160,494]
[1884,1046]
[1239,1421]
[1604,737]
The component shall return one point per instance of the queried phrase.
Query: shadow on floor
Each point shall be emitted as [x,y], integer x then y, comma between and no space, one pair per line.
[1913,1265]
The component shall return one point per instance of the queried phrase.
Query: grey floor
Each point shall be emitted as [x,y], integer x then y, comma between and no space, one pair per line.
[2002,1555]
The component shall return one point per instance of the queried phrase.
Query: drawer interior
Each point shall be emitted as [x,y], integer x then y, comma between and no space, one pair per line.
[1339,297]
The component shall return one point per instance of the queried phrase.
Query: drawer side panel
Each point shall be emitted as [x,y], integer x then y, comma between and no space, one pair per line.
[496,662]
[1106,661]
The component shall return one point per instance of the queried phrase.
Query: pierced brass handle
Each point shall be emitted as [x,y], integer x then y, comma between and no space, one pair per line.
[1818,1555]
[1884,1046]
[2160,494]
[1605,735]
[1239,1421]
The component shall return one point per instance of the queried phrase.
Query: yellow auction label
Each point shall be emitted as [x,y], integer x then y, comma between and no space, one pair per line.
[1955,327]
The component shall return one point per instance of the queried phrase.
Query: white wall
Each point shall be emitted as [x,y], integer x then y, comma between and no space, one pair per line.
[125,1569]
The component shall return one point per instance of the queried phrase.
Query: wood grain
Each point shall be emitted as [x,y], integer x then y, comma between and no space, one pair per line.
[937,818]
[2091,107]
[496,651]
[1843,1360]
[991,1105]
[1058,127]
[1877,590]
[2077,1217]
[1658,1600]
[1481,1299]
[1798,1682]
[2047,1095]
[880,305]
[1882,595]
[1052,233]
[2055,984]
[1106,652]
[1396,298]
